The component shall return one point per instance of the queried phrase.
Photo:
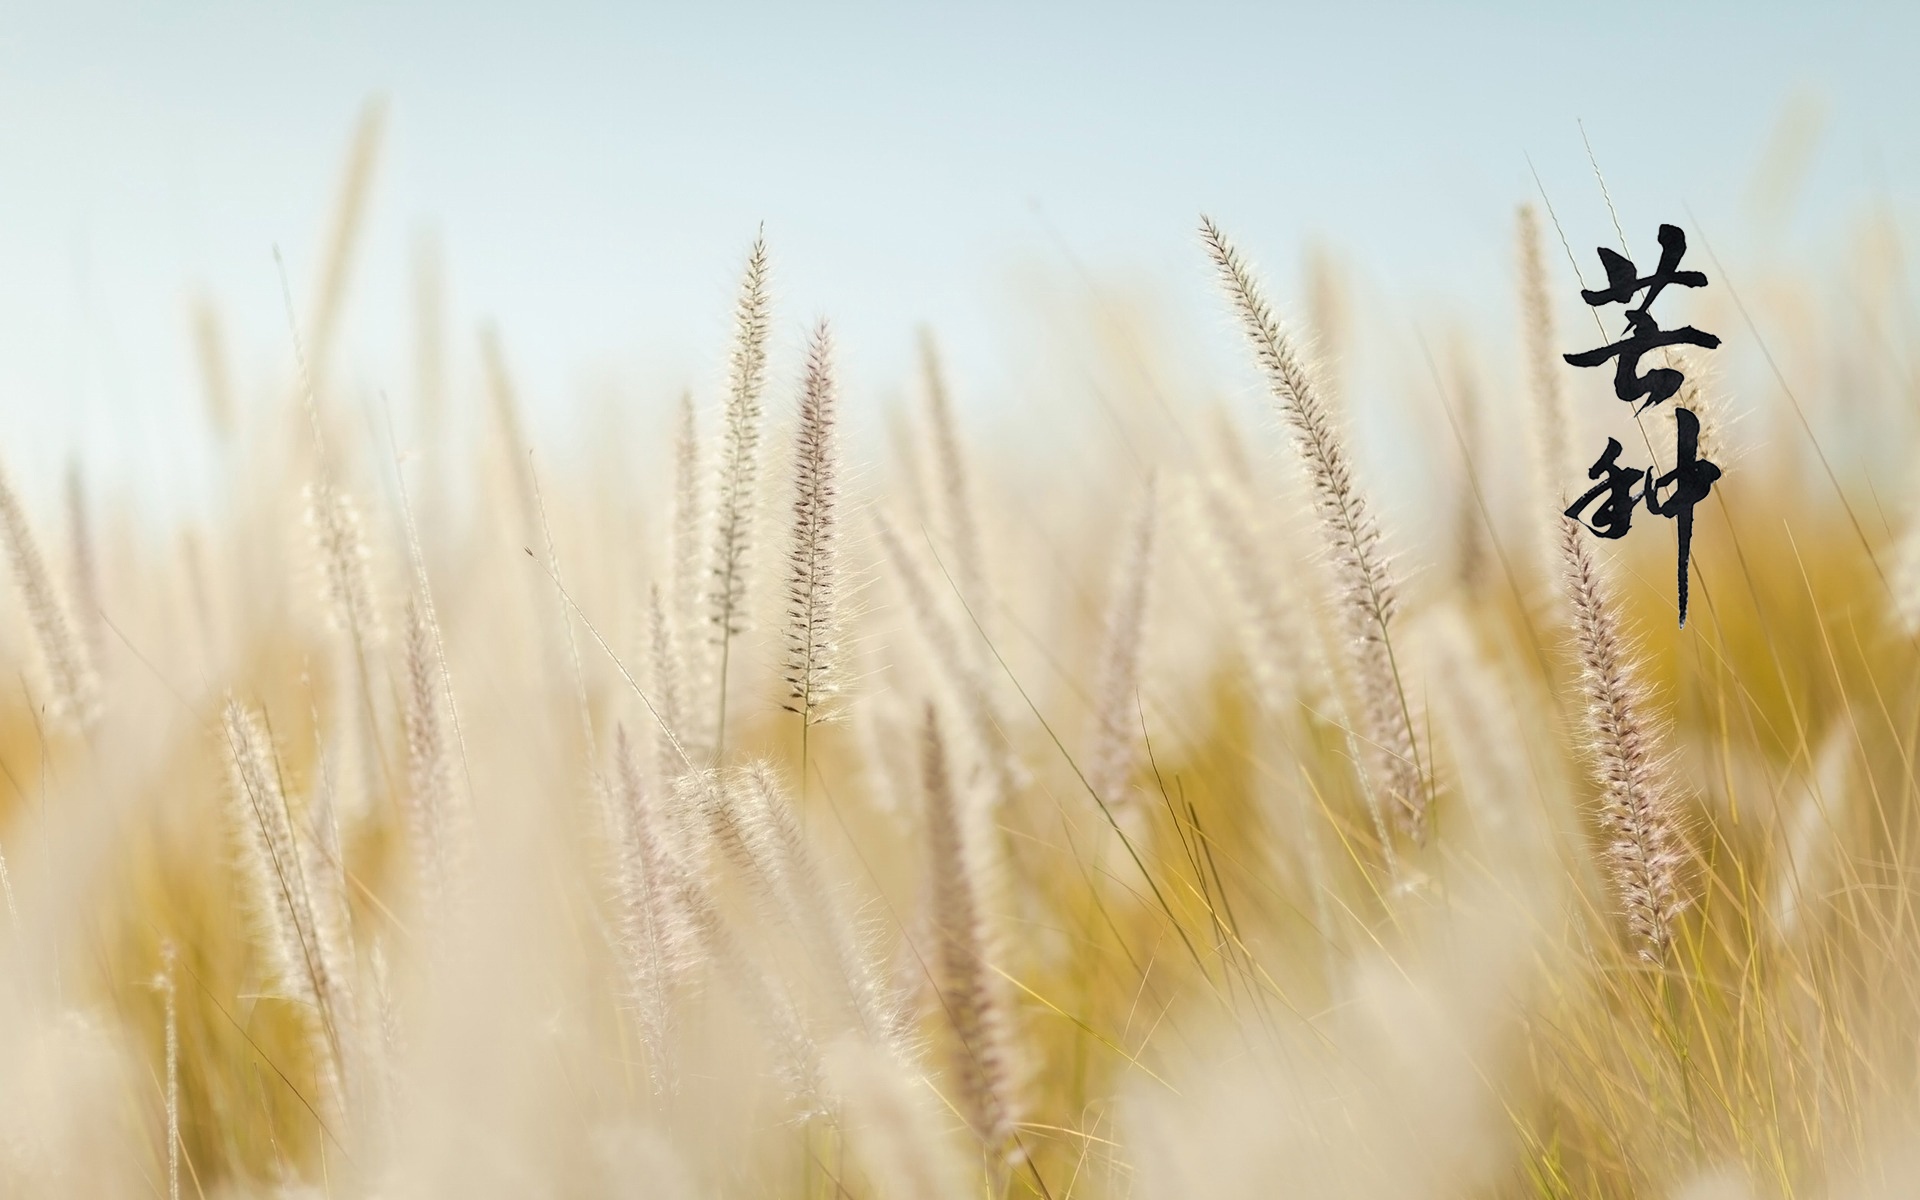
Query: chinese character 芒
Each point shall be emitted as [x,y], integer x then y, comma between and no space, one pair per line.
[1643,332]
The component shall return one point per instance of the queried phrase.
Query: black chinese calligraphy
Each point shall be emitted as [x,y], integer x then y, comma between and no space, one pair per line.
[1692,478]
[1623,280]
[1658,384]
[1643,333]
[1614,516]
[1619,489]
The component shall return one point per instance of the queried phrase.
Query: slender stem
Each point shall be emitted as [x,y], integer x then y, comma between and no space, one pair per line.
[806,728]
[1677,1043]
[720,725]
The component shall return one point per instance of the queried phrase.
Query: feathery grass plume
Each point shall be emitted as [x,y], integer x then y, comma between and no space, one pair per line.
[1364,582]
[982,1064]
[333,522]
[984,723]
[429,650]
[1552,416]
[685,610]
[429,797]
[689,514]
[343,237]
[809,902]
[1470,535]
[323,867]
[75,688]
[1111,759]
[85,566]
[669,688]
[1283,656]
[895,1133]
[813,558]
[1517,806]
[717,822]
[1643,853]
[392,1044]
[797,1058]
[348,593]
[739,469]
[654,927]
[956,499]
[739,814]
[210,349]
[275,874]
[1699,395]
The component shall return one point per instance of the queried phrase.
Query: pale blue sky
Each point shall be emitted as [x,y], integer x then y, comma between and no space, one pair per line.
[595,172]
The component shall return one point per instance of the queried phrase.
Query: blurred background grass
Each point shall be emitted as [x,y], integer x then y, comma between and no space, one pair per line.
[524,262]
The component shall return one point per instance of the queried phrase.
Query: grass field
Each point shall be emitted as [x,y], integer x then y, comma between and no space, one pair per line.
[742,813]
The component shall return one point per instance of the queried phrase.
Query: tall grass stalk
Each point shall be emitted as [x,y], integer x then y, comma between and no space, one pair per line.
[739,472]
[982,1061]
[1551,415]
[958,504]
[1110,762]
[922,969]
[281,893]
[75,697]
[812,667]
[1366,591]
[1643,851]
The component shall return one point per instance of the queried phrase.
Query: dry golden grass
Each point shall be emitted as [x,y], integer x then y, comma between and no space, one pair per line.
[1179,826]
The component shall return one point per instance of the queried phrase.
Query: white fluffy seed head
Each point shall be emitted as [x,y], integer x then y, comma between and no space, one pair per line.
[1116,720]
[1551,417]
[982,1061]
[1365,586]
[429,799]
[74,689]
[1637,813]
[812,665]
[736,491]
[656,932]
[340,545]
[302,965]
